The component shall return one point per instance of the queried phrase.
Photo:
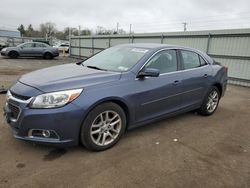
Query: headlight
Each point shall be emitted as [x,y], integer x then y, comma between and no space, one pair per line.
[55,99]
[8,95]
[4,49]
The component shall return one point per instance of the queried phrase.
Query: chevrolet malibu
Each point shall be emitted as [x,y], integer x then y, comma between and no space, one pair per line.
[94,102]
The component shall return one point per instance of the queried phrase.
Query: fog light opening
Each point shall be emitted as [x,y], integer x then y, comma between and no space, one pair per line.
[43,133]
[46,133]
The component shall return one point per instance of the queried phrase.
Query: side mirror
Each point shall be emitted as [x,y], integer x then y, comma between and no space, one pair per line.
[148,72]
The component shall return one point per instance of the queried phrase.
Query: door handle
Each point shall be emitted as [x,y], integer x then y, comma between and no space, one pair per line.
[176,82]
[205,75]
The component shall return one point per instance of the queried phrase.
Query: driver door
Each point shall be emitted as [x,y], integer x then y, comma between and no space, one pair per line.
[160,95]
[27,49]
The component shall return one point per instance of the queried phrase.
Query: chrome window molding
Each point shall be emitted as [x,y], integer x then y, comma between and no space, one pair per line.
[173,72]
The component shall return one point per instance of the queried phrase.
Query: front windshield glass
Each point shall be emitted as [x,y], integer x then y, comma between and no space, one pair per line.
[118,59]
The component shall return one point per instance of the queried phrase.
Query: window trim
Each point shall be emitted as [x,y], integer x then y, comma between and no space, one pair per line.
[157,52]
[179,59]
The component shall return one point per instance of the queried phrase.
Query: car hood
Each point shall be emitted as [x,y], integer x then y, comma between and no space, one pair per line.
[69,76]
[11,48]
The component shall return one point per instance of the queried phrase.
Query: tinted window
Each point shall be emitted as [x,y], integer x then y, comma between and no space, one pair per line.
[39,45]
[165,61]
[27,45]
[190,59]
[202,61]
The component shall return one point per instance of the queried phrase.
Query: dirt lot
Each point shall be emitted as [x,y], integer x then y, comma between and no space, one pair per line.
[209,151]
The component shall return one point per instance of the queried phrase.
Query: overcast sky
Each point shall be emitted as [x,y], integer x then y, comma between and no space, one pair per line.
[144,15]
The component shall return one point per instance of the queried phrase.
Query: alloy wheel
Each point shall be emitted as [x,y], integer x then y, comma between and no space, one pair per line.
[105,128]
[213,100]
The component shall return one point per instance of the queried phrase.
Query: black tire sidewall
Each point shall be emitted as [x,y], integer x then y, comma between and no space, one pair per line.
[47,55]
[13,54]
[86,127]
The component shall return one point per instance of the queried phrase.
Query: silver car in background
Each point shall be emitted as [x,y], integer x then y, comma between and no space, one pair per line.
[31,49]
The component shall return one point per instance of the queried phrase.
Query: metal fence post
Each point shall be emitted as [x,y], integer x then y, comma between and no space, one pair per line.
[162,37]
[109,42]
[93,50]
[208,42]
[79,47]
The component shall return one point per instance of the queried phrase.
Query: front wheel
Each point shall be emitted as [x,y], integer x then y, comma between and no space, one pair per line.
[13,54]
[210,102]
[103,127]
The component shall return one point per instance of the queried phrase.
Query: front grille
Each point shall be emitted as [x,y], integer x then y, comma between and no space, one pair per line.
[14,110]
[21,97]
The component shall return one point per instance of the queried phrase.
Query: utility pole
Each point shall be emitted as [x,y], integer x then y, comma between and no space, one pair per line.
[79,30]
[69,41]
[117,27]
[185,26]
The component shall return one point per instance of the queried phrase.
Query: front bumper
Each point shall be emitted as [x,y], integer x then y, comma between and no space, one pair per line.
[4,53]
[65,122]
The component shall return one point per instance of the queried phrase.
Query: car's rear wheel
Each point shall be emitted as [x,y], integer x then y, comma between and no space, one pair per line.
[13,54]
[47,55]
[103,127]
[210,102]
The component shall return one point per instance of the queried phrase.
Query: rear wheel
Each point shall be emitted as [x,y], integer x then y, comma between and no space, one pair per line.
[210,102]
[13,54]
[47,55]
[103,127]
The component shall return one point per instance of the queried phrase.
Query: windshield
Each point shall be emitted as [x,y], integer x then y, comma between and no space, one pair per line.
[119,59]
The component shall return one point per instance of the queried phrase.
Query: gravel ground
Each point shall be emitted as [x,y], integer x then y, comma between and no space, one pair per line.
[184,151]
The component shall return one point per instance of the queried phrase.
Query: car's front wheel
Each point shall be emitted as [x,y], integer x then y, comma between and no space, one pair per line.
[13,54]
[210,102]
[103,127]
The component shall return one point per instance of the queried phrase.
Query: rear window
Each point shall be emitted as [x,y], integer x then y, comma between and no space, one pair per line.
[190,59]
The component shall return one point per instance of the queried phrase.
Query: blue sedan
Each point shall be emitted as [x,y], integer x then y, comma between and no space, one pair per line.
[95,101]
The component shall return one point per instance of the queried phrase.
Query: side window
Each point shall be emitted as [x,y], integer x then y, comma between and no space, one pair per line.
[27,45]
[202,61]
[39,45]
[190,59]
[165,61]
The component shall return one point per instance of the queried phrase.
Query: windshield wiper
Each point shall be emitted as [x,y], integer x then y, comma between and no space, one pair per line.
[94,67]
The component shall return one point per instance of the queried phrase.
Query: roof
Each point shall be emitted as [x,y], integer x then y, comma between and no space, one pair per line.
[149,45]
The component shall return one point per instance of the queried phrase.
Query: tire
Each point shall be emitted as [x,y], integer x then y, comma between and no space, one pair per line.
[97,132]
[13,54]
[47,55]
[211,102]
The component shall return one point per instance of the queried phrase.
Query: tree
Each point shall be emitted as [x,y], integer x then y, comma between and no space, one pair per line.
[48,29]
[30,31]
[85,32]
[21,29]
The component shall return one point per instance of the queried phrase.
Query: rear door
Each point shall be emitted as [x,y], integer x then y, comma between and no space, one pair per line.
[39,49]
[195,75]
[156,96]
